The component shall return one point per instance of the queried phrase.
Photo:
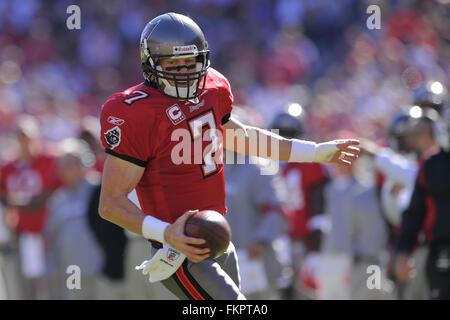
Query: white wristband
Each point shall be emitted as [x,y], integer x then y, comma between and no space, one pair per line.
[153,228]
[302,151]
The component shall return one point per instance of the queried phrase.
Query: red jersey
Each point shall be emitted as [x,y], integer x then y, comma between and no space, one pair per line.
[20,183]
[300,179]
[141,125]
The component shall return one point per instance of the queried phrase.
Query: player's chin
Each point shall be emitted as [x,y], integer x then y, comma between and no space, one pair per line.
[197,259]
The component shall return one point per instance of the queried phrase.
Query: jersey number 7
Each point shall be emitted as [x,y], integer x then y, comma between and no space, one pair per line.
[196,125]
[135,95]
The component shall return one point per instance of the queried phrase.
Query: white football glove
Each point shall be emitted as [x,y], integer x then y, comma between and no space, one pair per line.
[164,263]
[346,149]
[325,151]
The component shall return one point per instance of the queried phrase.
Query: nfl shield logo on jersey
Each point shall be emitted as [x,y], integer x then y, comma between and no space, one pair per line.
[112,137]
[172,255]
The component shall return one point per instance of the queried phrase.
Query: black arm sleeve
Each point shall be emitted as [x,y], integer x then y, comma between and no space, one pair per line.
[412,219]
[127,158]
[226,118]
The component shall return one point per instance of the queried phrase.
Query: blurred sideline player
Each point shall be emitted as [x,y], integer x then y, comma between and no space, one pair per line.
[181,90]
[396,169]
[412,140]
[432,189]
[26,184]
[356,238]
[69,237]
[429,100]
[305,183]
[257,220]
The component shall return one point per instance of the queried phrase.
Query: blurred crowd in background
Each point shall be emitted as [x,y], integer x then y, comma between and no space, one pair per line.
[317,56]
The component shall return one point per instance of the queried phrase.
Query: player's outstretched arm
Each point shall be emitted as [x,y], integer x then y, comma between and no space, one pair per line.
[247,140]
[120,177]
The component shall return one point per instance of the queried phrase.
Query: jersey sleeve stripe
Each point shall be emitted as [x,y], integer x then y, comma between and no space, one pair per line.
[138,162]
[226,118]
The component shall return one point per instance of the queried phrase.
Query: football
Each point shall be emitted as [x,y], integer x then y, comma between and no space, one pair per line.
[211,226]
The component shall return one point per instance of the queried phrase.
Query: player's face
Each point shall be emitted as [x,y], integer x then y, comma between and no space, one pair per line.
[178,65]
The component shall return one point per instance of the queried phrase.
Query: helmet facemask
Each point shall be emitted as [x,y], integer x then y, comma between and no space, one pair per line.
[153,72]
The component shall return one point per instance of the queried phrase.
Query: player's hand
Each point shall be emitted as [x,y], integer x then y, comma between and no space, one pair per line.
[404,268]
[342,152]
[175,237]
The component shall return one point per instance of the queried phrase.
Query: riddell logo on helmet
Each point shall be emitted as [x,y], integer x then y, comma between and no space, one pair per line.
[185,49]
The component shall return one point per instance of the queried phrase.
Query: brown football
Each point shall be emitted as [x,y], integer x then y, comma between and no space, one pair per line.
[211,226]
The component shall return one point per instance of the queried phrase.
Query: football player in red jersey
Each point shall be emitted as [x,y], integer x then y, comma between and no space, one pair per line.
[26,184]
[182,91]
[305,182]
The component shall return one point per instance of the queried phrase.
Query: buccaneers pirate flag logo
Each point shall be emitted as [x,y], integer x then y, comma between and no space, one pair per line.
[112,137]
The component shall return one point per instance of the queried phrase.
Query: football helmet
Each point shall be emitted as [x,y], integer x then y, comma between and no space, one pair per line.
[413,121]
[431,94]
[173,35]
[288,125]
[398,131]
